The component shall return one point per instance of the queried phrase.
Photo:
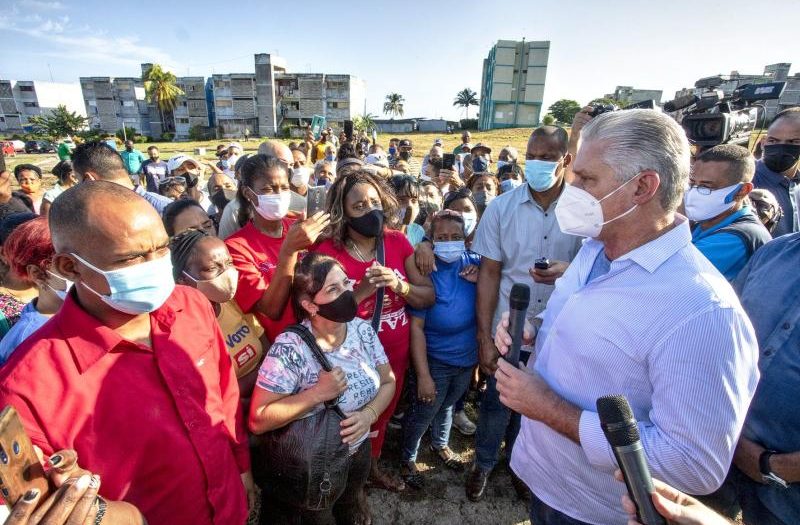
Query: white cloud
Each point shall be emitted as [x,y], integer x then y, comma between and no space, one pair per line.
[42,4]
[84,43]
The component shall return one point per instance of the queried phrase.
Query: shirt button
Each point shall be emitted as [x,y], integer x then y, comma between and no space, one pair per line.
[768,352]
[786,326]
[539,300]
[545,237]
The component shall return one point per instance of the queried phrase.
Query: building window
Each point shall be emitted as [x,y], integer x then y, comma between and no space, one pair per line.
[182,120]
[30,104]
[26,88]
[224,103]
[2,119]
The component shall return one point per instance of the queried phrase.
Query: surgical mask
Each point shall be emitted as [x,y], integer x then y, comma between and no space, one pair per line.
[330,158]
[501,163]
[509,184]
[62,294]
[449,251]
[343,309]
[137,289]
[392,150]
[273,206]
[470,221]
[579,213]
[225,164]
[701,207]
[369,225]
[221,288]
[781,157]
[540,174]
[482,199]
[401,214]
[300,176]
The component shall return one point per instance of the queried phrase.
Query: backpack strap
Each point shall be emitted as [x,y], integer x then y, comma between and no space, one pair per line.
[308,338]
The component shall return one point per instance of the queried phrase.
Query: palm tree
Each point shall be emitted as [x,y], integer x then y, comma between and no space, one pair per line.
[160,88]
[466,98]
[364,122]
[394,104]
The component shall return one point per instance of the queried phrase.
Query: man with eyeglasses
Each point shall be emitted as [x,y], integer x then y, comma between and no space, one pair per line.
[726,230]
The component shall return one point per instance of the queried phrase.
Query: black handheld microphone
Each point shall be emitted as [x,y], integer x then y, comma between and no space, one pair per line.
[619,426]
[518,302]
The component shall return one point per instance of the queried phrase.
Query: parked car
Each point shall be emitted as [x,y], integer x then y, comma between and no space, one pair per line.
[39,146]
[8,148]
[19,146]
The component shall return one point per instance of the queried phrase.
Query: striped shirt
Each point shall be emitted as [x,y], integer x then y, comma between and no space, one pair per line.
[664,328]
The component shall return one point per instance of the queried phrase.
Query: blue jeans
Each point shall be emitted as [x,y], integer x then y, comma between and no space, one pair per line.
[495,422]
[544,514]
[451,382]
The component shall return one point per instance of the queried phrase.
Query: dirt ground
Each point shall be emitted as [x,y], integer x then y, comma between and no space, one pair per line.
[443,501]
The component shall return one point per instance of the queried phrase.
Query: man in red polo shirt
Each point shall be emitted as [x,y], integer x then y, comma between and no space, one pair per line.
[132,372]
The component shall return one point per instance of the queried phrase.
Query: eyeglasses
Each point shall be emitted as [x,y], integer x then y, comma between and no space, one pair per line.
[702,190]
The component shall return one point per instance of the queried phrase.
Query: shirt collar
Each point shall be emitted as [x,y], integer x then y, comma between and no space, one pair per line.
[139,190]
[775,178]
[653,254]
[525,194]
[89,340]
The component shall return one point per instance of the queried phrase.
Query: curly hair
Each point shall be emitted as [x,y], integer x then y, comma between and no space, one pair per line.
[29,243]
[334,205]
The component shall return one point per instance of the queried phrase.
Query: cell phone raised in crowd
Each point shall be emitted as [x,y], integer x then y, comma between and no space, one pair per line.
[315,199]
[348,129]
[448,161]
[20,469]
[542,264]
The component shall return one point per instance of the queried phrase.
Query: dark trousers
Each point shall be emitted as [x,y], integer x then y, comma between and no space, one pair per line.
[739,492]
[348,509]
[544,514]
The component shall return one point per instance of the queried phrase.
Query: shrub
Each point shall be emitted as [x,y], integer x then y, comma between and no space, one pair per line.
[167,137]
[469,123]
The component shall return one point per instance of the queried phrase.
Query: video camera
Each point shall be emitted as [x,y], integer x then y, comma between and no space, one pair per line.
[714,118]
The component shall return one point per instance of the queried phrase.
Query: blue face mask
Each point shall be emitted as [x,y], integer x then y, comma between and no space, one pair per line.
[509,184]
[137,289]
[392,150]
[449,251]
[540,174]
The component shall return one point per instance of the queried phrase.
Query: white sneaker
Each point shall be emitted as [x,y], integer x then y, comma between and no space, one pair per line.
[463,423]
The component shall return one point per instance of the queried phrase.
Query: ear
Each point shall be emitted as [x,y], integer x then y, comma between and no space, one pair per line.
[309,307]
[65,266]
[36,274]
[647,187]
[567,160]
[744,191]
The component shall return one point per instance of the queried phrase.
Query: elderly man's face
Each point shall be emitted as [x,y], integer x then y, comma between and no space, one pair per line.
[466,137]
[220,181]
[299,158]
[436,153]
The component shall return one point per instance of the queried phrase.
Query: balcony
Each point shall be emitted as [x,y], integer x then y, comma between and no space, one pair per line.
[337,94]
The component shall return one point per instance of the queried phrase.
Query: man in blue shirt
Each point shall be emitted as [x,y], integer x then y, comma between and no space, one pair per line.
[777,171]
[766,471]
[133,160]
[726,230]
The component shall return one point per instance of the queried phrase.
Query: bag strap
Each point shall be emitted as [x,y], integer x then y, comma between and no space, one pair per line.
[308,338]
[376,315]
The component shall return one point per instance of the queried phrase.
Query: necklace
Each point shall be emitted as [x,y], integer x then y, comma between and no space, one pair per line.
[358,252]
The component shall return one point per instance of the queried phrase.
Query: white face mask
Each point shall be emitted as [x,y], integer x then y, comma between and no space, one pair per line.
[470,221]
[700,207]
[274,206]
[300,176]
[579,213]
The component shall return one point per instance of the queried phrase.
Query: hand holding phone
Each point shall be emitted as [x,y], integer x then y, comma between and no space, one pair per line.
[20,468]
[448,161]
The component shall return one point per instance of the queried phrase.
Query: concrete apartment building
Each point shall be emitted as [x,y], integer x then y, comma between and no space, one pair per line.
[191,109]
[112,103]
[512,88]
[303,95]
[631,95]
[772,73]
[22,99]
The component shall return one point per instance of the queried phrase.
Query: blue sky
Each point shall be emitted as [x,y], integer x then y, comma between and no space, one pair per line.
[425,50]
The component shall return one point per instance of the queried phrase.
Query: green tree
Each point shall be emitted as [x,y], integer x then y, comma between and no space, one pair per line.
[605,100]
[564,110]
[466,98]
[548,120]
[394,104]
[364,122]
[161,90]
[58,123]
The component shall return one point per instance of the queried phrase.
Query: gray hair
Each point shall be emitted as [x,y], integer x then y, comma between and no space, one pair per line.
[642,139]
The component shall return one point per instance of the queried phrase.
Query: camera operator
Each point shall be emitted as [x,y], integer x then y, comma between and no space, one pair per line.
[777,171]
[726,230]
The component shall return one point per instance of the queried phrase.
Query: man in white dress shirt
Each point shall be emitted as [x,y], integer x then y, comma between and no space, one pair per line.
[639,312]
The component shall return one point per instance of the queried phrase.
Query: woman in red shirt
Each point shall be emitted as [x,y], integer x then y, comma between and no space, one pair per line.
[265,250]
[360,207]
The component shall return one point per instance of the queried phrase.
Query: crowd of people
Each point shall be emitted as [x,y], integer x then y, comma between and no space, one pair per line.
[176,335]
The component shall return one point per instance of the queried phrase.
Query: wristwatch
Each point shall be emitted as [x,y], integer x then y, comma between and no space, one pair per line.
[767,476]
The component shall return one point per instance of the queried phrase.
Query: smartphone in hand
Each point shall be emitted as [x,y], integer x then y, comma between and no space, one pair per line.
[315,199]
[20,468]
[448,161]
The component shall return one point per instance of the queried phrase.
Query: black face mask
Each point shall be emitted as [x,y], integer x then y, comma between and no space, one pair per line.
[341,310]
[781,157]
[405,155]
[369,225]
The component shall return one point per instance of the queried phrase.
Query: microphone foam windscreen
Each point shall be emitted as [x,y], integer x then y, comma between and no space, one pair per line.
[616,418]
[520,296]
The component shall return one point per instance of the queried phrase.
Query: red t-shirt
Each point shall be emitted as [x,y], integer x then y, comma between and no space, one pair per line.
[255,256]
[161,425]
[395,329]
